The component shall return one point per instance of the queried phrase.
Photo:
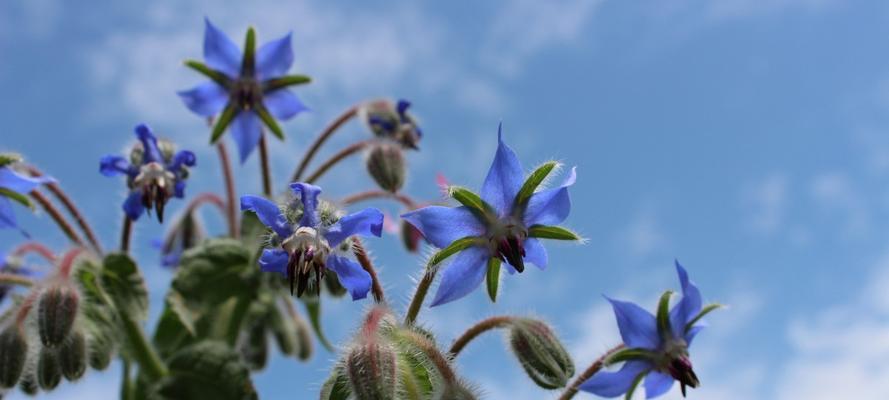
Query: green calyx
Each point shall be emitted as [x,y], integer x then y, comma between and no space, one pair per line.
[663,316]
[534,180]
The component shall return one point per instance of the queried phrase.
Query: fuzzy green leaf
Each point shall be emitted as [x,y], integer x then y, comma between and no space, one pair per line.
[216,270]
[552,232]
[206,370]
[123,283]
[476,205]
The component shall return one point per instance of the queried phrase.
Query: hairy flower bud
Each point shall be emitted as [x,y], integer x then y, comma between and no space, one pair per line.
[13,354]
[255,346]
[386,165]
[56,314]
[49,372]
[456,391]
[371,368]
[101,351]
[541,354]
[28,384]
[72,356]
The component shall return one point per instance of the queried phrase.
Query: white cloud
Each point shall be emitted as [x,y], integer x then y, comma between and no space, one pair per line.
[835,193]
[643,235]
[768,201]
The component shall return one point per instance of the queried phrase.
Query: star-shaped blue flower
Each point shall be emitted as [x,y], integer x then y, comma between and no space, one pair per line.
[656,347]
[503,224]
[14,185]
[308,247]
[244,88]
[154,176]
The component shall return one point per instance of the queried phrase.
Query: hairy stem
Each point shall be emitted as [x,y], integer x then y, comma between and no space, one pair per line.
[325,134]
[15,279]
[35,247]
[378,194]
[476,330]
[231,213]
[420,294]
[57,216]
[597,365]
[69,205]
[342,154]
[265,166]
[146,356]
[428,348]
[367,264]
[125,232]
[127,390]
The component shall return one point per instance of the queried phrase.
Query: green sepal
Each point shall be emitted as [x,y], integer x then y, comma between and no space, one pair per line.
[9,158]
[213,74]
[455,247]
[476,205]
[313,308]
[248,65]
[630,354]
[285,81]
[228,114]
[552,232]
[534,180]
[17,197]
[663,315]
[635,384]
[269,120]
[706,310]
[493,278]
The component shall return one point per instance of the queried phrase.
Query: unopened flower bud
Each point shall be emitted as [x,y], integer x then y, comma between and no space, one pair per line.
[541,354]
[336,386]
[101,351]
[371,368]
[13,354]
[72,356]
[28,384]
[255,346]
[56,314]
[49,373]
[386,165]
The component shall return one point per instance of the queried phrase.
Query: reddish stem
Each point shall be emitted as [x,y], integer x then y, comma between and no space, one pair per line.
[231,213]
[342,154]
[367,264]
[68,262]
[379,194]
[69,205]
[35,247]
[57,216]
[350,113]
[597,365]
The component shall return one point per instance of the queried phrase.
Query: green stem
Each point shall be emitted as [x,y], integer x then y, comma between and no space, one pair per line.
[476,330]
[127,391]
[265,166]
[235,320]
[125,232]
[228,177]
[146,356]
[597,365]
[350,113]
[340,156]
[420,294]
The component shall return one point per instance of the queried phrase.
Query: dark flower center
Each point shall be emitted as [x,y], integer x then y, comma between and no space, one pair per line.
[306,254]
[157,187]
[510,245]
[680,369]
[246,93]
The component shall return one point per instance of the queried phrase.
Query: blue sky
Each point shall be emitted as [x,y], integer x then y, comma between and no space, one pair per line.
[746,138]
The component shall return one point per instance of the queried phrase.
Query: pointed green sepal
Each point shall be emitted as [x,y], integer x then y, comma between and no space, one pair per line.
[493,278]
[454,248]
[228,114]
[534,180]
[213,74]
[706,310]
[248,65]
[663,315]
[552,232]
[635,384]
[269,121]
[17,197]
[9,158]
[476,205]
[285,81]
[630,354]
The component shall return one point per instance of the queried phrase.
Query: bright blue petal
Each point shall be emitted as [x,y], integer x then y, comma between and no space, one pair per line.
[181,158]
[268,213]
[638,328]
[688,307]
[462,275]
[308,194]
[551,206]
[23,184]
[354,278]
[220,52]
[656,384]
[365,222]
[274,58]
[7,218]
[206,99]
[273,260]
[132,206]
[535,253]
[441,226]
[112,165]
[246,131]
[504,179]
[283,104]
[179,189]
[693,332]
[613,384]
[151,153]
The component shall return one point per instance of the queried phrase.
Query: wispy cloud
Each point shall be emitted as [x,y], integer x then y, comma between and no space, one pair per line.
[767,200]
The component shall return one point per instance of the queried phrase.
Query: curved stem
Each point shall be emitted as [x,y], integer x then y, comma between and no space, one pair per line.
[207,198]
[597,365]
[35,247]
[231,213]
[420,294]
[142,351]
[342,154]
[378,194]
[264,166]
[15,279]
[69,205]
[367,264]
[325,134]
[125,232]
[68,262]
[57,216]
[476,330]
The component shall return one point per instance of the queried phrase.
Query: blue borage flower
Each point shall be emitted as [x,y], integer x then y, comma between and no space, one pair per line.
[308,247]
[655,347]
[245,88]
[14,186]
[503,224]
[392,121]
[154,173]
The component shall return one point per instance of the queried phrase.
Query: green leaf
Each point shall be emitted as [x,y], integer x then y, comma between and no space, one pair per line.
[706,310]
[228,114]
[455,247]
[214,271]
[123,283]
[248,65]
[17,197]
[285,81]
[269,121]
[214,75]
[207,370]
[253,232]
[313,308]
[176,327]
[534,180]
[483,211]
[493,277]
[663,315]
[9,158]
[552,232]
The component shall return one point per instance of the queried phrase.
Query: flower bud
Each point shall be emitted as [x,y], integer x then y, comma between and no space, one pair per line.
[49,373]
[386,165]
[28,384]
[336,386]
[456,391]
[541,354]
[13,354]
[101,351]
[56,314]
[371,369]
[255,347]
[72,356]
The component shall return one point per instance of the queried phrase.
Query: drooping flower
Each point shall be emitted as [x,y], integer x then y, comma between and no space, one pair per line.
[155,173]
[655,347]
[244,88]
[505,223]
[391,120]
[14,186]
[309,243]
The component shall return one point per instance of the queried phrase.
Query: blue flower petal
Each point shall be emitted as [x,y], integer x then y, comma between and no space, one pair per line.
[268,213]
[308,194]
[613,384]
[132,206]
[274,58]
[690,335]
[220,52]
[246,132]
[179,189]
[283,104]
[441,226]
[112,165]
[354,278]
[656,384]
[151,153]
[206,99]
[551,206]
[7,218]
[365,222]
[462,275]
[23,184]
[274,260]
[184,157]
[688,307]
[504,179]
[638,328]
[535,253]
